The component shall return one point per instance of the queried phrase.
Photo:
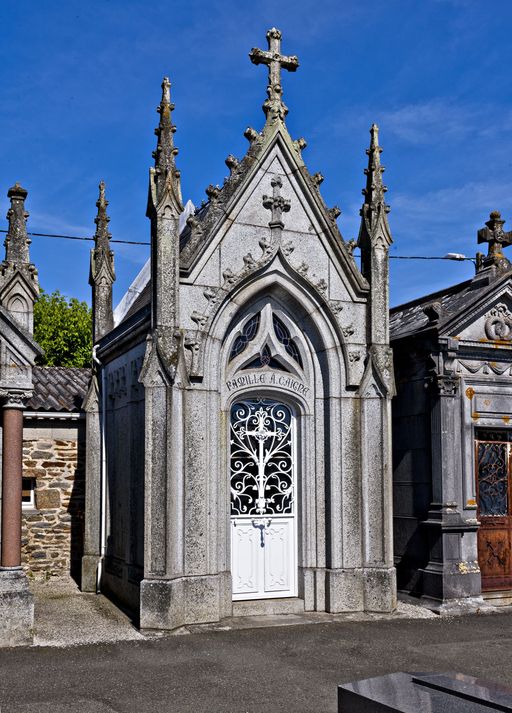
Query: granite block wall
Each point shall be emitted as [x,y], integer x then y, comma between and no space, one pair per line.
[52,530]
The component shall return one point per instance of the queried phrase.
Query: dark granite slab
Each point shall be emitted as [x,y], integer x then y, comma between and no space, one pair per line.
[423,693]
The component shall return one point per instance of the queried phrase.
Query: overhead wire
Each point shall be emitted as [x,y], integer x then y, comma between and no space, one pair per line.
[140,242]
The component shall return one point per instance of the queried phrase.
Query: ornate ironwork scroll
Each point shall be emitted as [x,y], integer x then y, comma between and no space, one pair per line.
[492,479]
[261,458]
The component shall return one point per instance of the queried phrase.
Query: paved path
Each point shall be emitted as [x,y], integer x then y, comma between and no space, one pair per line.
[265,670]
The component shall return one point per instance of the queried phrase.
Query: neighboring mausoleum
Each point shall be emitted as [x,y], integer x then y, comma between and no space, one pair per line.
[54,473]
[19,289]
[452,436]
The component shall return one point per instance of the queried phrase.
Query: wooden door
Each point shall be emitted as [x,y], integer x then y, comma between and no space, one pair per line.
[494,499]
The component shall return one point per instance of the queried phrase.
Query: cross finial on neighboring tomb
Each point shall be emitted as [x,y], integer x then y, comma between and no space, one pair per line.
[274,106]
[276,203]
[494,234]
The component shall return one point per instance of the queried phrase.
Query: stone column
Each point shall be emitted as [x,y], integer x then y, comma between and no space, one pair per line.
[12,460]
[449,579]
[16,602]
[93,496]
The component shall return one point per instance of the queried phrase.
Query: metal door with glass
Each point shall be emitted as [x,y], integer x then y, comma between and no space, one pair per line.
[263,493]
[494,499]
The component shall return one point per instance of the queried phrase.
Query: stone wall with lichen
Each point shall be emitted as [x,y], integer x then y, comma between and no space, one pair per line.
[52,530]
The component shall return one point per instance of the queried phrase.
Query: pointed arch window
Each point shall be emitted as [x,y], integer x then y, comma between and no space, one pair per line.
[267,339]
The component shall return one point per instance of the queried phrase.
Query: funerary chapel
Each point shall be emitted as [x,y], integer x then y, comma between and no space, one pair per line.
[230,450]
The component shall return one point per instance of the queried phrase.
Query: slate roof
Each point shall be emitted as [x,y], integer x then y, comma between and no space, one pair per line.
[59,388]
[410,318]
[142,299]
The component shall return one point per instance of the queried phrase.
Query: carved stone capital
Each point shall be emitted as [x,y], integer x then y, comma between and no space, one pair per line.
[14,399]
[445,384]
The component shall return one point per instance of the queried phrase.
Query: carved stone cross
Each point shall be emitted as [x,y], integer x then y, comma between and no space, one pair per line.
[494,234]
[276,203]
[274,60]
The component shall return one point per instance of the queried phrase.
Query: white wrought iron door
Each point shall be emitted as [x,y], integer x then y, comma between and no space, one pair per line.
[263,523]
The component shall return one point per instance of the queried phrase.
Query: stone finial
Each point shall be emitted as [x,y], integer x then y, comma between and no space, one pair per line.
[17,241]
[375,189]
[497,239]
[374,240]
[102,274]
[374,210]
[19,287]
[167,176]
[274,107]
[102,236]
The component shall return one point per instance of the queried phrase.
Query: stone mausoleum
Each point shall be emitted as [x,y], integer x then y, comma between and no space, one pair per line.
[238,420]
[452,436]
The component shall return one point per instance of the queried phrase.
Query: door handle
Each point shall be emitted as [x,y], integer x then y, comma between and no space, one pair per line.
[262,527]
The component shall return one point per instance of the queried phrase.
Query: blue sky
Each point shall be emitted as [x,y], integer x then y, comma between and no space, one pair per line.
[80,82]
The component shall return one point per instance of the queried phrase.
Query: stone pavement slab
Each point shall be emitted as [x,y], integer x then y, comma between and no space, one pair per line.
[64,616]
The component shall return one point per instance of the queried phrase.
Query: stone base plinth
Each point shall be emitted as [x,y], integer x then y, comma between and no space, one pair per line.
[369,589]
[380,589]
[16,608]
[171,603]
[344,590]
[455,607]
[89,580]
[448,582]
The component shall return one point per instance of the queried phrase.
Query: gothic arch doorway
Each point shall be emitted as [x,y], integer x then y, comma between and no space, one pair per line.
[263,484]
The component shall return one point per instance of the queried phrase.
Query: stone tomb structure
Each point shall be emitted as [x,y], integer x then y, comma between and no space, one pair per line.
[452,436]
[18,291]
[238,420]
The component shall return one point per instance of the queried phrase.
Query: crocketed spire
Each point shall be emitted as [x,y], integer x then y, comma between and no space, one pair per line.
[166,176]
[19,285]
[375,209]
[102,275]
[17,241]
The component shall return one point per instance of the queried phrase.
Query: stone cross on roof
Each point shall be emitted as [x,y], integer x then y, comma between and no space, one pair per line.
[494,234]
[274,106]
[497,238]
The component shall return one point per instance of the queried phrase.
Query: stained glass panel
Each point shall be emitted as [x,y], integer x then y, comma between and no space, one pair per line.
[248,333]
[284,336]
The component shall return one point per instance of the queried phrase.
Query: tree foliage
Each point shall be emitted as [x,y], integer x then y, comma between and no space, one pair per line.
[63,328]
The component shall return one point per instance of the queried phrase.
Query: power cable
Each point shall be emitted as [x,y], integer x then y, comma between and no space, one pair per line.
[453,258]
